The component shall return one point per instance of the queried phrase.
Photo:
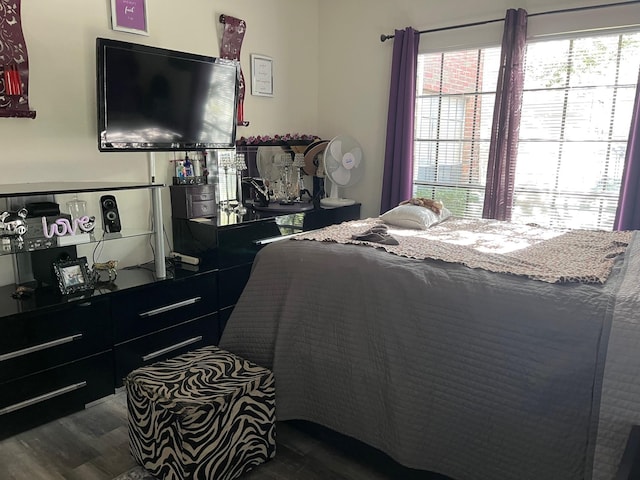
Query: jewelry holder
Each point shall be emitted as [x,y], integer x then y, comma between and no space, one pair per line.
[282,162]
[298,165]
[227,162]
[240,166]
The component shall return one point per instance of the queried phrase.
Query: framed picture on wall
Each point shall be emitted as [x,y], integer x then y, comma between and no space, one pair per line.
[130,16]
[261,75]
[73,276]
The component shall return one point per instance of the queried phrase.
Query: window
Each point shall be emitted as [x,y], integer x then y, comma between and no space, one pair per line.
[454,111]
[576,112]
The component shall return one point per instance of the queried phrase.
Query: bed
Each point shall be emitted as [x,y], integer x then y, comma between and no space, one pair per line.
[506,368]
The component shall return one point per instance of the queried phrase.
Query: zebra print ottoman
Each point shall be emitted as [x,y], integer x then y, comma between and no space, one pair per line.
[206,414]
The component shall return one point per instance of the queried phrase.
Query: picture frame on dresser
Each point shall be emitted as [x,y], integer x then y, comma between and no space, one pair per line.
[73,276]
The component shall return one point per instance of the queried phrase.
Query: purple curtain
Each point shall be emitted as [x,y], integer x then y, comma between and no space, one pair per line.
[503,149]
[628,214]
[397,182]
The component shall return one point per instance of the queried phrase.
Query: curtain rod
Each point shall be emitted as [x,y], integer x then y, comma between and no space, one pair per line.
[384,37]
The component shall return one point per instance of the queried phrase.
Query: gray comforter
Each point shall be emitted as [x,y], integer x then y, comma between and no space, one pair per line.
[472,374]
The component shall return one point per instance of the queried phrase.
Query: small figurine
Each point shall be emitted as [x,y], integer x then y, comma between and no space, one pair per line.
[110,267]
[15,227]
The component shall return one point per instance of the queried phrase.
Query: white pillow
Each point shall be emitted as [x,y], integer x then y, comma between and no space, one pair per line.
[414,217]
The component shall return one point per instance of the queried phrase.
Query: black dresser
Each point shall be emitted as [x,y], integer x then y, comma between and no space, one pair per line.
[229,242]
[59,353]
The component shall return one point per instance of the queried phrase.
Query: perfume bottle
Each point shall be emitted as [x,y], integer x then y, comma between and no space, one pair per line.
[188,166]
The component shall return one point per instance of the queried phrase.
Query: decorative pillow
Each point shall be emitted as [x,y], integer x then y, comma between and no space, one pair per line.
[414,217]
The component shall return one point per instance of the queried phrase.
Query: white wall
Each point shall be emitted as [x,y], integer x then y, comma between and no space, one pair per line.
[60,144]
[355,66]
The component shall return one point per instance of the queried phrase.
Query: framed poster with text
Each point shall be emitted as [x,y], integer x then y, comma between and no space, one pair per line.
[261,75]
[130,16]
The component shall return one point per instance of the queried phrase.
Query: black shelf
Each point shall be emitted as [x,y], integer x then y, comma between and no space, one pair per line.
[55,188]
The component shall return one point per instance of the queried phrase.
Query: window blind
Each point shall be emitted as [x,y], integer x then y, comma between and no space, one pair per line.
[576,112]
[454,111]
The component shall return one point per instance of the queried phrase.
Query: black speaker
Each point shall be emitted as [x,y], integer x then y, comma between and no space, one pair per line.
[110,215]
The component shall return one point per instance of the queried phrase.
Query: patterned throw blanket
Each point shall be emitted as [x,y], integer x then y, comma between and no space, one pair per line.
[554,256]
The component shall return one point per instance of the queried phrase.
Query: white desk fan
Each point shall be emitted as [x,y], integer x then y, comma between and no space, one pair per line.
[344,167]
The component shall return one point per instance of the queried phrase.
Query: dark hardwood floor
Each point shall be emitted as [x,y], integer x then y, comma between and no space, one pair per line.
[93,445]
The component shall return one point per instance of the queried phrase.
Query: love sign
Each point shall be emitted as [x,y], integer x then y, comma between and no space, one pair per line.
[62,227]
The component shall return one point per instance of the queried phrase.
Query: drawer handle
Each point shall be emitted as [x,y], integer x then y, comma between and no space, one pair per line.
[37,348]
[266,241]
[168,308]
[42,398]
[159,353]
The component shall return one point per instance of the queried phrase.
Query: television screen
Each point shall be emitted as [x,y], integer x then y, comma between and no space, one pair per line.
[161,100]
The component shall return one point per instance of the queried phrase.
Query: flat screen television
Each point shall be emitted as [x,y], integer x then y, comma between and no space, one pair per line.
[156,99]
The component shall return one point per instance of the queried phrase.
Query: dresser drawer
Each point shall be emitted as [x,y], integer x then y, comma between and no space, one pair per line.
[323,217]
[161,305]
[54,393]
[232,283]
[237,244]
[33,342]
[223,317]
[165,344]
